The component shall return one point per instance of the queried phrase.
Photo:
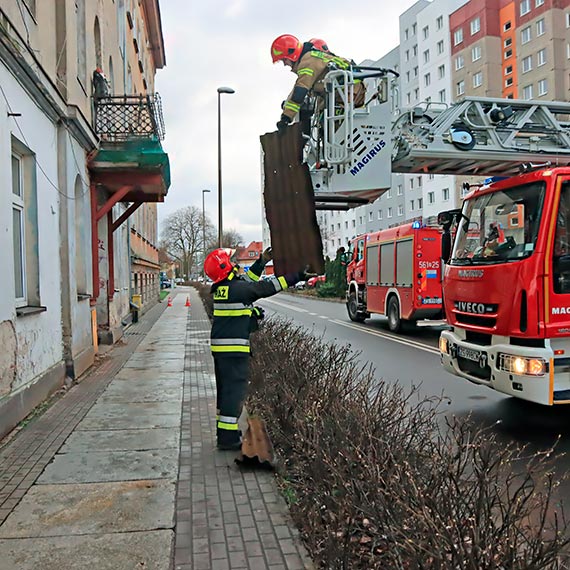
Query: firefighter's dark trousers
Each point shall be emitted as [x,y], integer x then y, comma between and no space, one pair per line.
[231,385]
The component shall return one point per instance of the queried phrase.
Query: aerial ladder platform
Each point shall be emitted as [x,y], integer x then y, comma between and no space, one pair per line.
[338,157]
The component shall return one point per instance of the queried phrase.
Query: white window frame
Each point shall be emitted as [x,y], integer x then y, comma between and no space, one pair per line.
[540,27]
[459,62]
[445,194]
[442,96]
[370,216]
[379,214]
[389,215]
[425,32]
[475,53]
[524,7]
[526,64]
[526,35]
[440,47]
[527,92]
[389,193]
[426,56]
[441,71]
[475,25]
[431,197]
[411,205]
[457,36]
[542,87]
[400,190]
[460,88]
[427,79]
[420,203]
[538,3]
[400,209]
[19,205]
[541,57]
[477,79]
[439,22]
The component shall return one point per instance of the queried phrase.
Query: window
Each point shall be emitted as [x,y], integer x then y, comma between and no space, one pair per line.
[81,31]
[427,79]
[445,194]
[426,56]
[416,71]
[568,19]
[24,226]
[425,32]
[507,27]
[477,79]
[439,22]
[407,76]
[359,220]
[370,216]
[389,193]
[420,203]
[457,36]
[441,71]
[541,57]
[538,3]
[527,64]
[440,47]
[338,226]
[475,25]
[400,190]
[414,29]
[542,87]
[389,212]
[354,223]
[379,214]
[407,34]
[527,92]
[459,62]
[411,183]
[431,197]
[508,53]
[508,69]
[419,181]
[526,35]
[540,27]
[408,98]
[332,227]
[407,55]
[346,225]
[415,50]
[416,93]
[31,6]
[442,96]
[400,210]
[508,42]
[524,7]
[411,205]
[476,53]
[508,82]
[460,88]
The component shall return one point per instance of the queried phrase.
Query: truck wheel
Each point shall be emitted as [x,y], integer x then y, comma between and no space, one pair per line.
[352,307]
[394,320]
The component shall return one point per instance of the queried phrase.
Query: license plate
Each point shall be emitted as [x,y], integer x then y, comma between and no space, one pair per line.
[469,353]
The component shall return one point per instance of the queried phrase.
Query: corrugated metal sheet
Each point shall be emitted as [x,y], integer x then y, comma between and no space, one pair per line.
[256,447]
[289,204]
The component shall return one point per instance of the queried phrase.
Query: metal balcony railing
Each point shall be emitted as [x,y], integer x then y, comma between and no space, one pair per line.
[121,118]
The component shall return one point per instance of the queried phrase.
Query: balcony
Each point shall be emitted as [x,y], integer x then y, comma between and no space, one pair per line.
[130,129]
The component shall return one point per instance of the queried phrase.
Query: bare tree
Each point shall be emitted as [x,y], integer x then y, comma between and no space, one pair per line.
[230,238]
[182,236]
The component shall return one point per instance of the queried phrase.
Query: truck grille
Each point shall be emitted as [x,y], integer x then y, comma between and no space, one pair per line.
[476,320]
[473,368]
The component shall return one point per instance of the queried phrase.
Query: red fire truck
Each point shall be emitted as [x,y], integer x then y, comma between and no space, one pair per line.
[396,272]
[507,287]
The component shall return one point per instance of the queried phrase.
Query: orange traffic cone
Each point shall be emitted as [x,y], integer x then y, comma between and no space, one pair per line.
[188,302]
[169,302]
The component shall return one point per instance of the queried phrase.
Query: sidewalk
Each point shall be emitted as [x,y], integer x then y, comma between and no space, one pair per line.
[122,472]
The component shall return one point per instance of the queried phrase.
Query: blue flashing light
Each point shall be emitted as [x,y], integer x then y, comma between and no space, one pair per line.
[416,225]
[493,179]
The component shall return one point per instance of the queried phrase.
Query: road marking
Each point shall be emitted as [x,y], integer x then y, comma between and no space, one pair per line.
[322,317]
[291,307]
[407,342]
[313,314]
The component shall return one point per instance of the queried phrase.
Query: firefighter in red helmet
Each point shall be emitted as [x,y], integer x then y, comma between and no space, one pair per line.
[310,64]
[320,44]
[235,317]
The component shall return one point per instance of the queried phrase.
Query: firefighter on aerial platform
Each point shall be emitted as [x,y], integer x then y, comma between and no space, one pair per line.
[310,65]
[235,317]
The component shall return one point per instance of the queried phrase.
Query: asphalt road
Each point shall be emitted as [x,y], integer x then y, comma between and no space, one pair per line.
[412,358]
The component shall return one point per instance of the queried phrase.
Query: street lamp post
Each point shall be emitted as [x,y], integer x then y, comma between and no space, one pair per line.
[229,91]
[204,230]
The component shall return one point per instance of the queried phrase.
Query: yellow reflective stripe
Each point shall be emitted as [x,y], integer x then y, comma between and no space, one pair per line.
[282,282]
[230,276]
[232,312]
[230,348]
[292,106]
[252,276]
[306,71]
[277,52]
[230,427]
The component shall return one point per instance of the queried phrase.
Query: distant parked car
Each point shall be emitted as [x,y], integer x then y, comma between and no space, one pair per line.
[165,284]
[312,281]
[179,280]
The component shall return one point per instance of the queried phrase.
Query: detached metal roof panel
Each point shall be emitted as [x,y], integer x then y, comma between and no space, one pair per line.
[290,204]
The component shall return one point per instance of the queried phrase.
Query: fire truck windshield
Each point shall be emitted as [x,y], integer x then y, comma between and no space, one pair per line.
[499,227]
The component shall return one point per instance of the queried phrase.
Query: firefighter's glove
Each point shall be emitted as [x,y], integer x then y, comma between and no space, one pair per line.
[282,124]
[258,313]
[267,255]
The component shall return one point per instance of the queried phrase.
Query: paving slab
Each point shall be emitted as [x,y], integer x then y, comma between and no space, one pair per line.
[158,364]
[102,466]
[119,440]
[129,422]
[122,551]
[107,410]
[92,508]
[120,392]
[136,374]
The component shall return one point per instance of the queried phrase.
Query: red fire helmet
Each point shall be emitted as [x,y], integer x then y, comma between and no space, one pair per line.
[286,47]
[218,265]
[319,44]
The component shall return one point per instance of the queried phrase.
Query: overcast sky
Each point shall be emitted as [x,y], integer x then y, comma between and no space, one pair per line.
[227,43]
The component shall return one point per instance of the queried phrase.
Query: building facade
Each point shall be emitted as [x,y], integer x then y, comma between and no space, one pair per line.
[59,233]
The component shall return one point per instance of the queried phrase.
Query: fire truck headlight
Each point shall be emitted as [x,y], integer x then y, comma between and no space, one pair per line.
[520,365]
[443,345]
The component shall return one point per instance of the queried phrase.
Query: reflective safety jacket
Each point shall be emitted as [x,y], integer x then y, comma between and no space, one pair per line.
[311,69]
[234,317]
